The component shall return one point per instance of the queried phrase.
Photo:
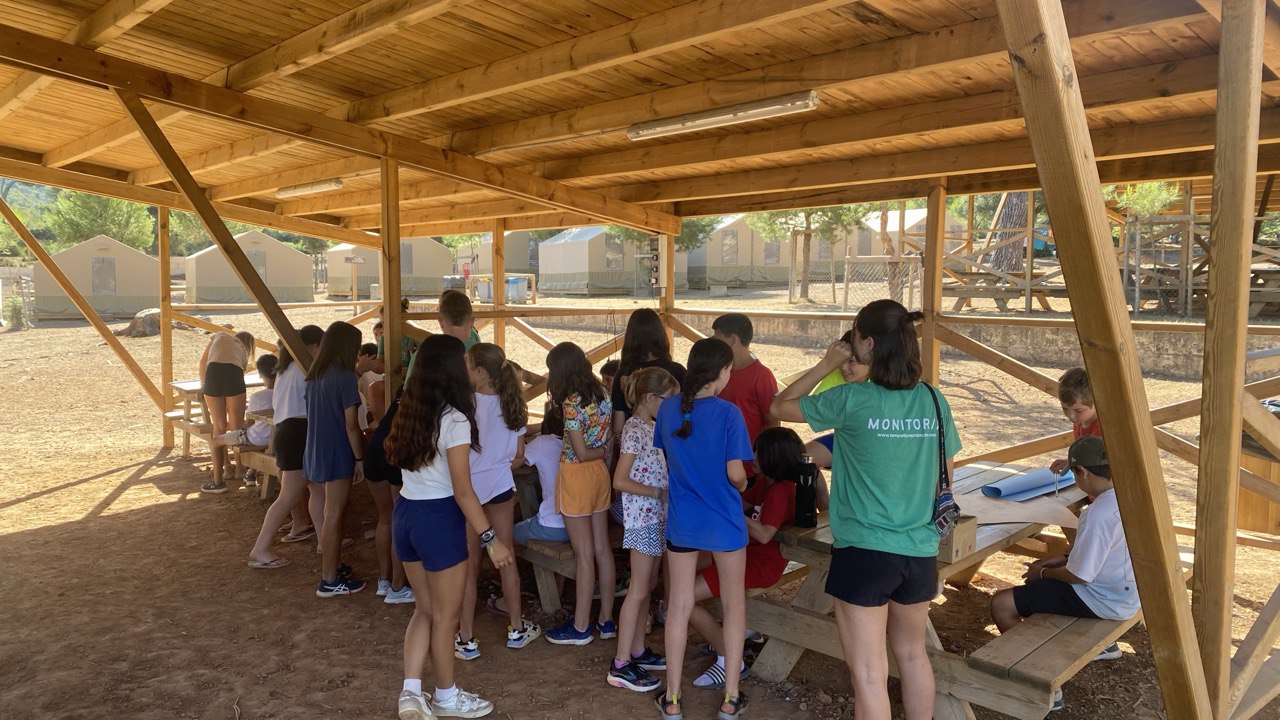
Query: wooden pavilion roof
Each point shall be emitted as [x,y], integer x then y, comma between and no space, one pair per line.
[910,90]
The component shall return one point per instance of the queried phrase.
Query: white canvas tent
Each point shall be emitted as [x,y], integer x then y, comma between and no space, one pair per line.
[521,254]
[913,221]
[423,264]
[590,261]
[286,271]
[116,280]
[736,255]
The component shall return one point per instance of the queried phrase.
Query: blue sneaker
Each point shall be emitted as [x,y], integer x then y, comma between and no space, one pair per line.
[469,650]
[608,630]
[567,634]
[340,586]
[650,660]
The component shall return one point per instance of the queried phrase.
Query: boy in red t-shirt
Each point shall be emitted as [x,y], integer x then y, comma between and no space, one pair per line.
[751,385]
[1076,397]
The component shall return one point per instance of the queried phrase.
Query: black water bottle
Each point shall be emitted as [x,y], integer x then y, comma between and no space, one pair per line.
[807,494]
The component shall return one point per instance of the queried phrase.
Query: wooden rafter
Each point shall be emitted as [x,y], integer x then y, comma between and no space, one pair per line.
[514,223]
[1044,72]
[346,32]
[105,24]
[57,177]
[1270,30]
[85,66]
[1234,184]
[78,299]
[216,228]
[1255,649]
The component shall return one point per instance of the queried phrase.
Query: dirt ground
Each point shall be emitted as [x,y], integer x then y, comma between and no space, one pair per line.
[127,595]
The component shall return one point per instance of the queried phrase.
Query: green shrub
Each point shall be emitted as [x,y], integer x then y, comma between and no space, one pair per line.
[13,315]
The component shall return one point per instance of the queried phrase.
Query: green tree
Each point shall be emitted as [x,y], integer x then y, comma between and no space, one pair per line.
[453,242]
[187,235]
[540,235]
[694,232]
[1143,199]
[76,217]
[828,224]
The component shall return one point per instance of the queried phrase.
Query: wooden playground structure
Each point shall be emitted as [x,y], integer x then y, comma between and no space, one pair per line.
[1063,96]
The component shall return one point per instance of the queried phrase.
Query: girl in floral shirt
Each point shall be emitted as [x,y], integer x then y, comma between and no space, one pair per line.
[583,492]
[641,477]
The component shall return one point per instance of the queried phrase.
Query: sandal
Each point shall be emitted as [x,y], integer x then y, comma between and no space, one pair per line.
[492,606]
[213,489]
[304,535]
[663,703]
[269,565]
[739,706]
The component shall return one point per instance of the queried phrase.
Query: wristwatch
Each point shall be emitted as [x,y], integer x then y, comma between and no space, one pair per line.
[487,537]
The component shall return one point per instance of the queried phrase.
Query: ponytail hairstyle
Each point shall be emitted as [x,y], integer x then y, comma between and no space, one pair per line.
[707,359]
[895,357]
[440,382]
[503,374]
[647,380]
[310,334]
[340,345]
[569,373]
[646,337]
[779,451]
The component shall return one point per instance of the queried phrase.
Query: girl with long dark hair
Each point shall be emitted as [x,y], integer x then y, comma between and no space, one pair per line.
[705,439]
[645,344]
[884,486]
[431,440]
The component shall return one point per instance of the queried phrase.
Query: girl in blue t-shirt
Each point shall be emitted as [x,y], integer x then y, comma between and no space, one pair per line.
[706,442]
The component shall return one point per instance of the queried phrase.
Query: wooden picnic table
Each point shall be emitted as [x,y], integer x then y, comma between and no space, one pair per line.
[806,623]
[189,416]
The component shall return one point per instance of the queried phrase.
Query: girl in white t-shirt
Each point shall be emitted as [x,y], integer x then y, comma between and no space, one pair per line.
[501,414]
[431,440]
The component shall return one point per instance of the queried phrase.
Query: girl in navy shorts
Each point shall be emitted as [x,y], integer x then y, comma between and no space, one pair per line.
[431,440]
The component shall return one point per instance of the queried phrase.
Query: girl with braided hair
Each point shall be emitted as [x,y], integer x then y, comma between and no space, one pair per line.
[705,439]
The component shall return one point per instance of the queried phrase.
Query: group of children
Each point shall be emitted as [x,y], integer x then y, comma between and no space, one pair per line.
[688,459]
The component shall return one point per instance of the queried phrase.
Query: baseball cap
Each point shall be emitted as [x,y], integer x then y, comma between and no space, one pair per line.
[1088,451]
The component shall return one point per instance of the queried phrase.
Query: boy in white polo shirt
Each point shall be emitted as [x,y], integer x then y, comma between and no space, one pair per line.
[1095,579]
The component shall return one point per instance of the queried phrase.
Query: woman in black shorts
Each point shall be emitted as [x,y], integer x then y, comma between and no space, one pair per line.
[289,417]
[222,369]
[893,437]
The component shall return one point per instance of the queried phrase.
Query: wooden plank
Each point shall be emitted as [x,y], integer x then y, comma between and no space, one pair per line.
[780,655]
[1254,650]
[999,361]
[1260,424]
[166,322]
[107,23]
[392,316]
[207,326]
[1007,650]
[1190,452]
[667,256]
[690,333]
[74,295]
[1270,31]
[88,67]
[1264,688]
[1052,664]
[216,228]
[931,283]
[1217,485]
[1044,73]
[498,279]
[31,172]
[532,333]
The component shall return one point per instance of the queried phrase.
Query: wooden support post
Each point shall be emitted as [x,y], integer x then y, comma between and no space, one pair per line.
[931,288]
[1255,648]
[1046,78]
[1230,252]
[392,320]
[499,278]
[1028,272]
[166,322]
[355,286]
[213,224]
[667,258]
[81,303]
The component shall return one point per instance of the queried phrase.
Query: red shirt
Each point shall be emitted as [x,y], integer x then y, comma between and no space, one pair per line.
[752,389]
[775,506]
[1093,428]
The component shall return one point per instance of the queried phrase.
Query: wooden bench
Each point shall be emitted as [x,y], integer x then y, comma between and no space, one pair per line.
[556,558]
[257,458]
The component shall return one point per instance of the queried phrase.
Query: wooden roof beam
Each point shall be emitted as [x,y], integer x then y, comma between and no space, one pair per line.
[36,52]
[550,221]
[897,58]
[346,32]
[487,211]
[65,178]
[105,24]
[1270,31]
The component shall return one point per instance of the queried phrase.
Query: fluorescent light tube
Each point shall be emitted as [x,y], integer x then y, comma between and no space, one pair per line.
[309,188]
[747,112]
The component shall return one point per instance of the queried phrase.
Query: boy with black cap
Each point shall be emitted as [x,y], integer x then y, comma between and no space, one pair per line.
[1095,579]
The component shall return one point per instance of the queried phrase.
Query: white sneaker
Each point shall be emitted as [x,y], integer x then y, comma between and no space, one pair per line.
[468,650]
[1110,652]
[384,587]
[400,597]
[463,705]
[528,632]
[414,706]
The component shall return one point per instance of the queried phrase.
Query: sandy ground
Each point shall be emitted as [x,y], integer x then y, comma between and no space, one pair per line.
[127,594]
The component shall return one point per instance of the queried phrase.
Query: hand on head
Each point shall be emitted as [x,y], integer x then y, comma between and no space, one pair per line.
[838,354]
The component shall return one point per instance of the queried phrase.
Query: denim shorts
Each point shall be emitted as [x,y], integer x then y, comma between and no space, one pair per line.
[532,529]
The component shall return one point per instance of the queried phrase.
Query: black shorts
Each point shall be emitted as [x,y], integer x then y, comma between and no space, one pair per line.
[1053,597]
[291,443]
[222,380]
[872,578]
[680,548]
[376,467]
[502,498]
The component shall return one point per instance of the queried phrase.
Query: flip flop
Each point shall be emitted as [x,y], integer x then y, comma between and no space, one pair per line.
[492,606]
[306,535]
[270,565]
